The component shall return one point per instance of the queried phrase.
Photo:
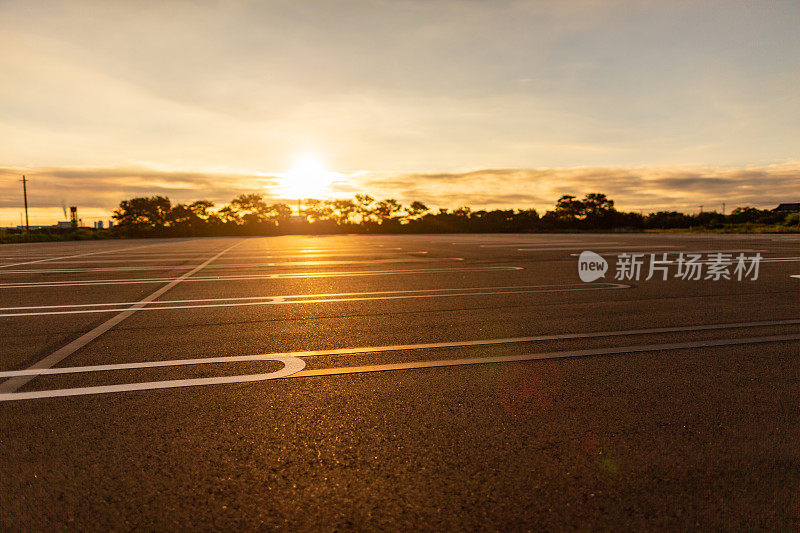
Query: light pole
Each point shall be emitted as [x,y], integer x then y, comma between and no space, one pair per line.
[25,196]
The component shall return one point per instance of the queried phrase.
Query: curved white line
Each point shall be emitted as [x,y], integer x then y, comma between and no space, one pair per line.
[291,365]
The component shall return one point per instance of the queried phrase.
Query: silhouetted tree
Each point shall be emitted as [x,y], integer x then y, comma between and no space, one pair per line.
[144,214]
[364,208]
[249,214]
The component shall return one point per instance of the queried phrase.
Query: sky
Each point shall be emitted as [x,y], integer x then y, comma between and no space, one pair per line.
[661,105]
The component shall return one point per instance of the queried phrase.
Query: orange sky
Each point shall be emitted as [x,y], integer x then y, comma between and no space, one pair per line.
[669,104]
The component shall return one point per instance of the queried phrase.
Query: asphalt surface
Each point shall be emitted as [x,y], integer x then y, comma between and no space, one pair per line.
[616,404]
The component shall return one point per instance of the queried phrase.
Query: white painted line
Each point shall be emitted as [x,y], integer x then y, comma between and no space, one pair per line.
[579,246]
[299,252]
[234,257]
[763,260]
[241,266]
[545,355]
[323,295]
[13,384]
[539,338]
[82,255]
[430,345]
[795,276]
[548,243]
[295,296]
[291,365]
[283,275]
[741,250]
[315,299]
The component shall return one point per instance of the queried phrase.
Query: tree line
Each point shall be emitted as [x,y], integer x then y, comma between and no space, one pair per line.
[250,214]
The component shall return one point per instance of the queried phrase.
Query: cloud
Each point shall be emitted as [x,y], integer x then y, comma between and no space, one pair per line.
[104,187]
[406,86]
[99,190]
[633,188]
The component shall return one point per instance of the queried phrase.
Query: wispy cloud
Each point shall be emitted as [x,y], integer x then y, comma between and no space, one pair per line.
[406,86]
[633,188]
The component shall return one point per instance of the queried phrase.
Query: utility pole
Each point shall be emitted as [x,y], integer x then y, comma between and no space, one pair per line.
[723,208]
[25,195]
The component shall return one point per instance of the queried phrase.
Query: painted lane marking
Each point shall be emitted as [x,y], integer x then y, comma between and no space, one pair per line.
[538,338]
[291,365]
[581,245]
[795,276]
[431,345]
[543,243]
[241,266]
[284,275]
[780,259]
[81,255]
[257,251]
[13,384]
[243,253]
[294,367]
[235,257]
[545,355]
[281,300]
[763,260]
[689,251]
[312,295]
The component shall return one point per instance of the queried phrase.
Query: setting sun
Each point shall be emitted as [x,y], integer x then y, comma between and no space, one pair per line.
[307,178]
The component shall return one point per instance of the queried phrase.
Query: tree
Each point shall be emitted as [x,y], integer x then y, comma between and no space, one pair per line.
[343,211]
[317,210]
[596,204]
[145,213]
[280,213]
[364,208]
[181,215]
[462,212]
[386,210]
[569,209]
[416,210]
[251,208]
[228,215]
[200,208]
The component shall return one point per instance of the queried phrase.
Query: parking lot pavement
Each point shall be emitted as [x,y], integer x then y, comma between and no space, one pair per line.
[427,381]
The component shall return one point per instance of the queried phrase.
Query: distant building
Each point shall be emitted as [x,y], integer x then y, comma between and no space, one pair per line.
[64,224]
[788,208]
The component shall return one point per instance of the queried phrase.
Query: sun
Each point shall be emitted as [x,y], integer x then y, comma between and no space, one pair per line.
[307,178]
